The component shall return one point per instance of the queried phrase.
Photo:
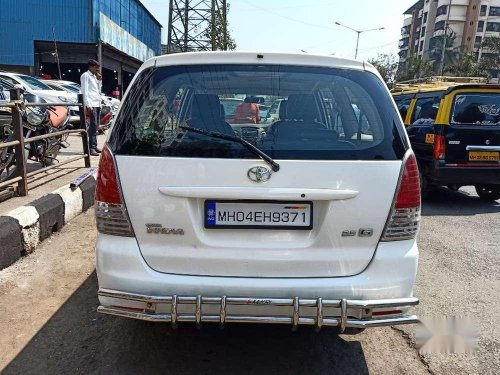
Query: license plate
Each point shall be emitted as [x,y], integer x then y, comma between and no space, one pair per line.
[484,156]
[257,214]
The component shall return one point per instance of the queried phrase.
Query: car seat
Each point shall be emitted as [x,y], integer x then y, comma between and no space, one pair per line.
[206,114]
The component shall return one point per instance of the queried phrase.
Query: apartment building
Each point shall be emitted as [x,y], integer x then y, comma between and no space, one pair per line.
[464,22]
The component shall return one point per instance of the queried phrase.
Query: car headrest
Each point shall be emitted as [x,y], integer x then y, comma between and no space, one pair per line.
[206,107]
[301,107]
[254,99]
[283,109]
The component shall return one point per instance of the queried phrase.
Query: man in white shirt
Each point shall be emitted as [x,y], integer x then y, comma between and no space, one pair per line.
[91,90]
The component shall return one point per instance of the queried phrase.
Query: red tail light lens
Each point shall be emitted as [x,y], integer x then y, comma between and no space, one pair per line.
[107,189]
[409,189]
[439,147]
[111,213]
[403,221]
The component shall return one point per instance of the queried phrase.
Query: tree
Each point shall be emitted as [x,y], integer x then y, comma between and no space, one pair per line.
[491,59]
[414,67]
[436,49]
[387,66]
[222,40]
[468,66]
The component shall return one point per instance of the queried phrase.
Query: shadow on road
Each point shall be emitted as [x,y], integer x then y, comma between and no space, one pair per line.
[78,340]
[442,201]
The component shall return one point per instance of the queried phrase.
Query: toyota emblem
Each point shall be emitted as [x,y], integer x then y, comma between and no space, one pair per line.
[259,174]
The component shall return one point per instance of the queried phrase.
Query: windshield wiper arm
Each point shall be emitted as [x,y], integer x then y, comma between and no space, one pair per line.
[274,166]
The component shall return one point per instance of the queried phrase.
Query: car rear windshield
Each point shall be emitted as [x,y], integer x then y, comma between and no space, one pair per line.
[324,113]
[476,109]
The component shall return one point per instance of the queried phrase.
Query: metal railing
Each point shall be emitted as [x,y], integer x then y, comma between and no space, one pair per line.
[21,175]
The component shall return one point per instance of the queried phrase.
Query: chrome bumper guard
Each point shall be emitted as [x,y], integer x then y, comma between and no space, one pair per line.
[343,321]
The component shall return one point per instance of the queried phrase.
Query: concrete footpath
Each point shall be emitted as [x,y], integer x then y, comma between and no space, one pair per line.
[50,204]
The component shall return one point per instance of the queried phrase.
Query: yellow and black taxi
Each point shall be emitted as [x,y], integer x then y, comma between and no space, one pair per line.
[455,134]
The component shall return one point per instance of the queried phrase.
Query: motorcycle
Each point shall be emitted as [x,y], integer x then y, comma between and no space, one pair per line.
[36,121]
[106,119]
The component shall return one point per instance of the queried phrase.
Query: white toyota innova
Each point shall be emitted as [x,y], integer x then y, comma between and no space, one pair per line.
[308,220]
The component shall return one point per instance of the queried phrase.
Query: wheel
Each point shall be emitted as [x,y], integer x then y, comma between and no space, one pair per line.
[7,161]
[51,155]
[488,193]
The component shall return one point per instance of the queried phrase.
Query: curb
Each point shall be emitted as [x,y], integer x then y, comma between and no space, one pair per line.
[22,229]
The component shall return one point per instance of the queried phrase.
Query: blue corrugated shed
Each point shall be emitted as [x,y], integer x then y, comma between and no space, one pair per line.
[133,17]
[24,21]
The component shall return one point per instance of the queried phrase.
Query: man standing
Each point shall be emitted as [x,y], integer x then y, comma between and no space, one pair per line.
[91,91]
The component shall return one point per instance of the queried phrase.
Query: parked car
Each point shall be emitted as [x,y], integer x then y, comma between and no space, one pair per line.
[37,87]
[5,91]
[459,144]
[5,112]
[309,226]
[73,87]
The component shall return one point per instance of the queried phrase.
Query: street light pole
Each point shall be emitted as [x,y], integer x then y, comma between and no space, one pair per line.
[359,32]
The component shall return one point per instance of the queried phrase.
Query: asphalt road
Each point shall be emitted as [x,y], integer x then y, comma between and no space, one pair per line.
[49,324]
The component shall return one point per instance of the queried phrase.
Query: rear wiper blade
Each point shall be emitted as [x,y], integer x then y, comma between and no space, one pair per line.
[274,166]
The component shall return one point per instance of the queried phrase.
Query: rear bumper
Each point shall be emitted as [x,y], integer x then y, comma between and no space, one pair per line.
[166,309]
[450,174]
[378,296]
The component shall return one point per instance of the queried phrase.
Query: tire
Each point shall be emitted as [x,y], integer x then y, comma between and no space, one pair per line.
[7,161]
[488,193]
[54,151]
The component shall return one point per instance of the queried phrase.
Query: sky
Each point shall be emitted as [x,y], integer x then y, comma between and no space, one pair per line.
[309,25]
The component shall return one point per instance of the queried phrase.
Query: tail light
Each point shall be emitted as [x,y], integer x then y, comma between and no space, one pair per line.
[111,213]
[404,217]
[439,147]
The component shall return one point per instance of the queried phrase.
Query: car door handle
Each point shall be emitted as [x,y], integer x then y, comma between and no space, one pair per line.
[219,192]
[483,148]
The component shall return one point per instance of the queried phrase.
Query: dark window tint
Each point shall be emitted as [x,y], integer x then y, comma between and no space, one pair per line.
[403,102]
[482,12]
[480,26]
[439,25]
[493,26]
[324,113]
[426,108]
[443,9]
[476,108]
[34,83]
[477,43]
[495,11]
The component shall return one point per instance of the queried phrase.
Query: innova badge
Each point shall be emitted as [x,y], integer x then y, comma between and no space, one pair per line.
[259,174]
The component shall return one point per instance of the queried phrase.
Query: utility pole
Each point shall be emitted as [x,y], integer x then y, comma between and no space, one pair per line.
[56,52]
[445,40]
[359,32]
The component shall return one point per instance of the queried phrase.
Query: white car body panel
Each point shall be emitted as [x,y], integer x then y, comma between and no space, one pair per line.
[390,274]
[322,252]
